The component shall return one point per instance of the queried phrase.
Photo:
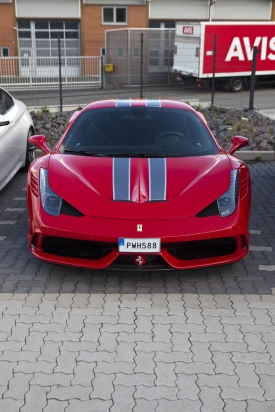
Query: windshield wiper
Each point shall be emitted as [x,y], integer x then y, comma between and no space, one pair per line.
[83,152]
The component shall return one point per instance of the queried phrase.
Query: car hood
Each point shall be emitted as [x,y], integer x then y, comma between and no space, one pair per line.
[139,187]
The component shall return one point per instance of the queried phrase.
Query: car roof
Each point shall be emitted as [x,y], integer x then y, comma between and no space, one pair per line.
[165,103]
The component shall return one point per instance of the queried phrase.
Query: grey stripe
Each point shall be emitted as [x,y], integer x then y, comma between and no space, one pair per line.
[123,103]
[157,179]
[121,178]
[153,103]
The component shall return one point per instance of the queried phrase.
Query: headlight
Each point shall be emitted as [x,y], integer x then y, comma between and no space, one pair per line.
[227,203]
[51,202]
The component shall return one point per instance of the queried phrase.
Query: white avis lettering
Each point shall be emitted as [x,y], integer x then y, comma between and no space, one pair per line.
[243,50]
[187,30]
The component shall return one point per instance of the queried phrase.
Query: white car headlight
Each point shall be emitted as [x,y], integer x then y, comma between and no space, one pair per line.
[227,203]
[51,202]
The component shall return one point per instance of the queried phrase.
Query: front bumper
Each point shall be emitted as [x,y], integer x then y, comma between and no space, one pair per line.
[176,235]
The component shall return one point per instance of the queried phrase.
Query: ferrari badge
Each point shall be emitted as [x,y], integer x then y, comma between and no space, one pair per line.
[139,228]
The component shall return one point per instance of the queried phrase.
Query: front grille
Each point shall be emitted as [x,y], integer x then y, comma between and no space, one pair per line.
[81,249]
[203,249]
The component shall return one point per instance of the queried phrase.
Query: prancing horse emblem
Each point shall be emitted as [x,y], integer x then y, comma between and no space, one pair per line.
[139,260]
[139,228]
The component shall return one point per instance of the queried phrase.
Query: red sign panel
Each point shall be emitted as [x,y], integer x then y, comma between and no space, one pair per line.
[188,30]
[234,47]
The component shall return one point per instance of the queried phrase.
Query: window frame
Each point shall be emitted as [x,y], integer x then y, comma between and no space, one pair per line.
[2,52]
[114,23]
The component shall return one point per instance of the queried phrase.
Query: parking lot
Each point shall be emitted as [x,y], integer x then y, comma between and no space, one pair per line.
[79,340]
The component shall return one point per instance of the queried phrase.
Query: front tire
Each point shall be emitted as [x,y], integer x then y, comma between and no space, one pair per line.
[30,152]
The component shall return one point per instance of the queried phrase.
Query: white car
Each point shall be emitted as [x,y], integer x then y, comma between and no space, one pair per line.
[16,127]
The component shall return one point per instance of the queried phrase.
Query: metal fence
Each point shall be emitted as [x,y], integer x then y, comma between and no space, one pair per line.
[121,63]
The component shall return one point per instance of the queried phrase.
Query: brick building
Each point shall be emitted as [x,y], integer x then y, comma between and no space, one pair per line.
[30,28]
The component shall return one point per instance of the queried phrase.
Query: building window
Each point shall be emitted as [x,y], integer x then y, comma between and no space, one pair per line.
[114,15]
[120,53]
[5,52]
[136,53]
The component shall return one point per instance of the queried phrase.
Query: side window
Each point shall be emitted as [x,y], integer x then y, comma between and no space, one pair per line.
[6,102]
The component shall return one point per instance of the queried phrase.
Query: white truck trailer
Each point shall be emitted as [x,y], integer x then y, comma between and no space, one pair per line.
[195,60]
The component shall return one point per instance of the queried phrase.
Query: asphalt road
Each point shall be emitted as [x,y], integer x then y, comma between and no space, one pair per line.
[264,97]
[79,340]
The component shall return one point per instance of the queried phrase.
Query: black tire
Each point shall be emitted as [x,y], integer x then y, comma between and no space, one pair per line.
[30,152]
[236,84]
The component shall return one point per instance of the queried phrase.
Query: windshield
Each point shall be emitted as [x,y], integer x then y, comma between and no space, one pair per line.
[138,132]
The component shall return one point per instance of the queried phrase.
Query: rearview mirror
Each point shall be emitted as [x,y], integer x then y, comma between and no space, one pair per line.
[236,143]
[40,141]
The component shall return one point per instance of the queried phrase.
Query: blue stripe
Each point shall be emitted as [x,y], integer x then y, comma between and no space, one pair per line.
[153,103]
[157,179]
[123,103]
[121,178]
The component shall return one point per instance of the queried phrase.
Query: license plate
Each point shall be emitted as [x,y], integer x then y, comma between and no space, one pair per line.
[138,245]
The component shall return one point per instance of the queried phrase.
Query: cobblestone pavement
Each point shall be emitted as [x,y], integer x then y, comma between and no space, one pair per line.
[76,340]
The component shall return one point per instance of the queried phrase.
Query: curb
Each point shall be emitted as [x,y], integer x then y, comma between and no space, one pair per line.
[255,155]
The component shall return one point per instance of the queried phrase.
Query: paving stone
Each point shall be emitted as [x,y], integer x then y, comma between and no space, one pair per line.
[228,347]
[187,387]
[181,342]
[66,362]
[83,373]
[194,368]
[251,357]
[181,405]
[223,363]
[114,367]
[144,362]
[19,332]
[125,352]
[243,393]
[165,374]
[267,383]
[143,405]
[256,406]
[173,357]
[6,374]
[144,324]
[233,406]
[56,406]
[161,333]
[123,399]
[217,380]
[17,356]
[32,367]
[211,399]
[154,347]
[201,352]
[247,375]
[135,337]
[11,405]
[35,396]
[18,386]
[102,386]
[156,392]
[233,333]
[134,379]
[78,346]
[96,356]
[69,392]
[49,379]
[93,405]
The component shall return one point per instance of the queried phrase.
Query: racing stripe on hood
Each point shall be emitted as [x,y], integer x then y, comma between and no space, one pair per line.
[157,178]
[121,178]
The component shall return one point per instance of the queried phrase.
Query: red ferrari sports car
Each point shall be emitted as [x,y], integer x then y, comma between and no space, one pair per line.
[138,183]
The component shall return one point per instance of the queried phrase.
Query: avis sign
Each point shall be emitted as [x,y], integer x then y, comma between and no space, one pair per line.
[235,44]
[188,30]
